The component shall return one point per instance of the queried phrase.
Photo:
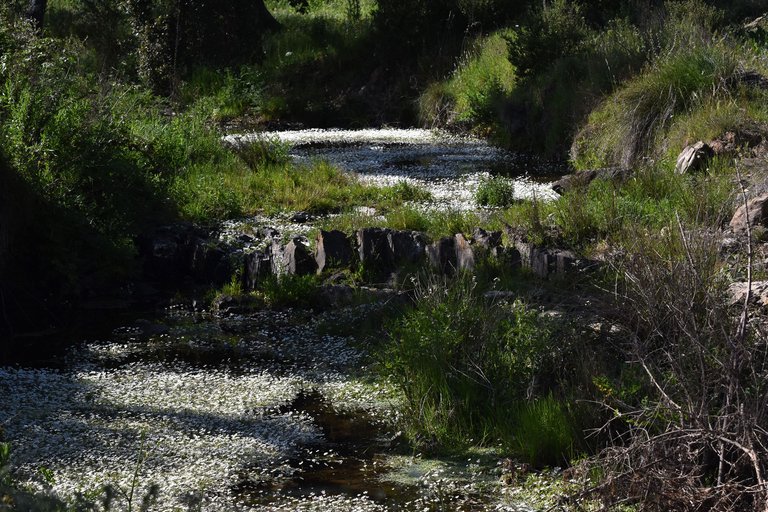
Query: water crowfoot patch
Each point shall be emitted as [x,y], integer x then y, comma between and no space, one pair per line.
[210,413]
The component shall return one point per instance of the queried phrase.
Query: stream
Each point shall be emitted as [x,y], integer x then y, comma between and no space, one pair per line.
[274,410]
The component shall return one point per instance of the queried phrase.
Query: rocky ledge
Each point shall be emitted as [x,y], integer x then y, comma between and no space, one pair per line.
[380,255]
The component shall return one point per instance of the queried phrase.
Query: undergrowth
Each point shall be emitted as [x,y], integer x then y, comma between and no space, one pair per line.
[465,364]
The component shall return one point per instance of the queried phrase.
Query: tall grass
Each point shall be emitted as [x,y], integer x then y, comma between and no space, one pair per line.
[475,91]
[465,365]
[629,124]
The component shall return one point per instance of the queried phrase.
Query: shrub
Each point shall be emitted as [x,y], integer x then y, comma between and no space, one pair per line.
[496,191]
[551,32]
[702,419]
[463,363]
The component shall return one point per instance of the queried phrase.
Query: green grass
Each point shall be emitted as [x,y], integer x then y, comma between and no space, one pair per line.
[496,191]
[435,223]
[475,90]
[544,433]
[631,123]
[464,364]
[651,200]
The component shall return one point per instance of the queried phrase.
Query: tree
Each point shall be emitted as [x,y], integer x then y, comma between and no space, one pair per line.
[175,36]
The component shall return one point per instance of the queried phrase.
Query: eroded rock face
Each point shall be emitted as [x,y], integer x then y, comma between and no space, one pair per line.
[297,259]
[694,158]
[408,247]
[383,251]
[373,247]
[168,251]
[334,250]
[442,255]
[465,256]
[754,213]
[257,267]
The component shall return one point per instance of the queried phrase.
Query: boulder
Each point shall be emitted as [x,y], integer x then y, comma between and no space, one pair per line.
[297,259]
[209,263]
[442,255]
[275,251]
[333,250]
[754,213]
[486,240]
[565,261]
[406,247]
[694,157]
[167,250]
[373,246]
[465,257]
[737,292]
[256,267]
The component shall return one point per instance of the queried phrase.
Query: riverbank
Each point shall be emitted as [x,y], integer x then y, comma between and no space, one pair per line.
[644,348]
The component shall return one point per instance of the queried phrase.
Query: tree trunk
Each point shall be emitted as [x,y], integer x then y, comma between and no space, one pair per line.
[266,20]
[36,12]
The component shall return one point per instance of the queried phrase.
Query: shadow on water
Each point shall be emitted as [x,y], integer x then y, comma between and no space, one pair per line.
[348,461]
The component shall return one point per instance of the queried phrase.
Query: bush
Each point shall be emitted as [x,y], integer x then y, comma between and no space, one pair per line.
[463,363]
[705,374]
[496,191]
[550,33]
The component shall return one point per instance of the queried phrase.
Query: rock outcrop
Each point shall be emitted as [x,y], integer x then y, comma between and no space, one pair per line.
[694,158]
[183,250]
[754,213]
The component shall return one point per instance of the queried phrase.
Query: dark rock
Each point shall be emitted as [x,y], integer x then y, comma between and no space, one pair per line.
[224,305]
[582,179]
[297,258]
[269,233]
[565,261]
[465,257]
[336,295]
[147,328]
[526,252]
[334,250]
[510,256]
[166,251]
[546,262]
[442,255]
[407,247]
[753,214]
[485,239]
[694,158]
[542,262]
[489,244]
[301,217]
[375,253]
[212,263]
[257,267]
[335,278]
